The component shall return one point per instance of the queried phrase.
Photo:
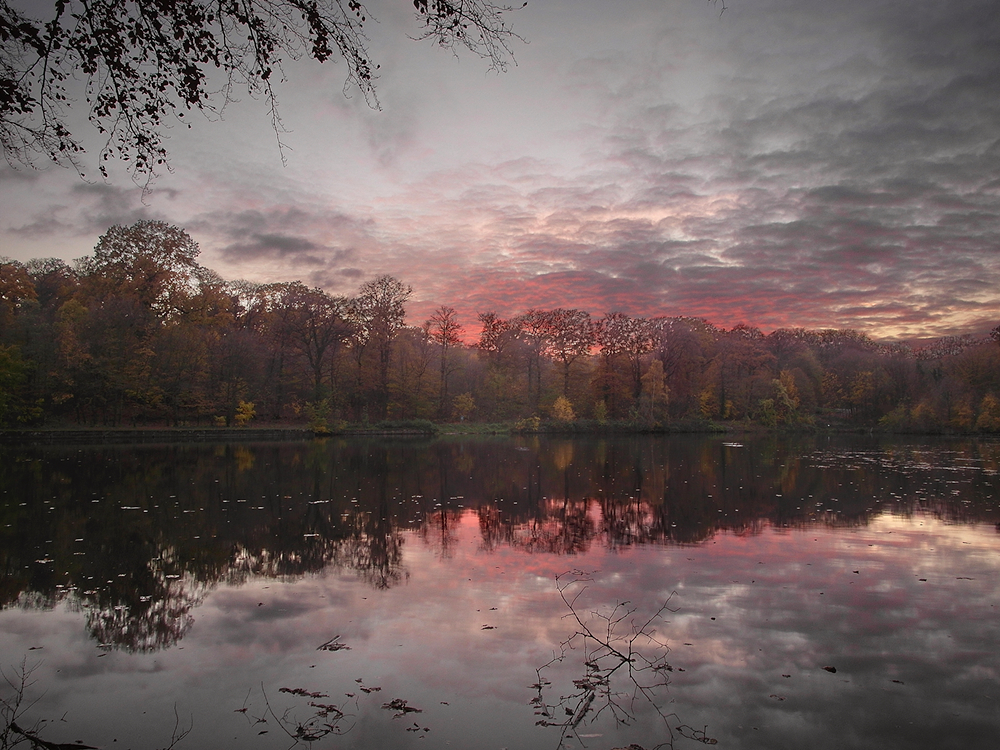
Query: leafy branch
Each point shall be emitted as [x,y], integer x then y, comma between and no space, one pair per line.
[146,64]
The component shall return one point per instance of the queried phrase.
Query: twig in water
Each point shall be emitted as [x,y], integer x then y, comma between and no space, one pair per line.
[624,660]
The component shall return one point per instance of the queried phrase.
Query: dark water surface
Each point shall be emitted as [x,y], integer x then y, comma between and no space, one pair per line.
[268,593]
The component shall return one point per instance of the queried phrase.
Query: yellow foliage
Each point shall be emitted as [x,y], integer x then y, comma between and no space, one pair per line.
[562,410]
[989,414]
[244,413]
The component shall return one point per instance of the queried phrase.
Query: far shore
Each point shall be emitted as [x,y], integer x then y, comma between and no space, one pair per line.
[89,435]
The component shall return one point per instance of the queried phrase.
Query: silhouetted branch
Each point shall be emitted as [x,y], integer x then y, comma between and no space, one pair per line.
[14,708]
[624,660]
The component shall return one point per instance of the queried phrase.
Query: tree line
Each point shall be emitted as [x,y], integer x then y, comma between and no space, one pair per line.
[140,333]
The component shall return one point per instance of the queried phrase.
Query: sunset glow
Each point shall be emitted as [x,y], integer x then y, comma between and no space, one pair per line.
[781,164]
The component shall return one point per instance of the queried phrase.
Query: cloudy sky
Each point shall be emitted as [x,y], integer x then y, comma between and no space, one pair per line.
[788,163]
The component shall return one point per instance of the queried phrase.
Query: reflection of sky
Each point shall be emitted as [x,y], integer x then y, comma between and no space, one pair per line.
[783,603]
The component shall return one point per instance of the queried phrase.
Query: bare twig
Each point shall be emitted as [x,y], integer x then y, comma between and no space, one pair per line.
[13,708]
[177,734]
[623,659]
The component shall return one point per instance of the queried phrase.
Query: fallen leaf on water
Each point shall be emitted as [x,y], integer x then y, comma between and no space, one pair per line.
[333,644]
[401,707]
[302,692]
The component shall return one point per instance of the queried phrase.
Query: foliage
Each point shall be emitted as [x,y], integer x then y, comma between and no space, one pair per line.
[378,314]
[654,397]
[444,330]
[14,410]
[16,288]
[601,412]
[317,415]
[463,405]
[140,333]
[244,413]
[562,410]
[989,414]
[143,63]
[528,424]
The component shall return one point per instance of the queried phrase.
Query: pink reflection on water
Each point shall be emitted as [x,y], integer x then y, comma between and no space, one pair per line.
[461,635]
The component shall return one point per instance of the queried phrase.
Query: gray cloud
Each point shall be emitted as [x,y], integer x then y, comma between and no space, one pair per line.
[794,162]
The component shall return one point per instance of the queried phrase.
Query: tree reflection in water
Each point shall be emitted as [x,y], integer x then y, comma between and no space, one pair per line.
[136,537]
[140,625]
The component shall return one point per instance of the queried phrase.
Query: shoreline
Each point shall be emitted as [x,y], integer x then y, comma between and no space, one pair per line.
[148,435]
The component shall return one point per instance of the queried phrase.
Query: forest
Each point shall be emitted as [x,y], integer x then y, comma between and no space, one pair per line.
[139,333]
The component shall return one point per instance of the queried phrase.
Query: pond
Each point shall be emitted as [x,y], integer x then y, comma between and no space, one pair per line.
[521,593]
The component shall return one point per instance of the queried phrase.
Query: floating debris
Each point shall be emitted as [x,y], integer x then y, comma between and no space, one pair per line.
[334,644]
[401,708]
[302,692]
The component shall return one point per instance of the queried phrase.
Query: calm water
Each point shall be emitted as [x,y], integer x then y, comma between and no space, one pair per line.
[260,594]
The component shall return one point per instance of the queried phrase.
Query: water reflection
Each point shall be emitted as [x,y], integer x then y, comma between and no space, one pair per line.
[244,584]
[136,537]
[622,661]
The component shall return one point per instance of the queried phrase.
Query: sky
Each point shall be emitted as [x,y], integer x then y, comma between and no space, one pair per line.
[784,163]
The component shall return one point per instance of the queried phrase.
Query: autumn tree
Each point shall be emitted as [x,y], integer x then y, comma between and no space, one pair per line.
[463,405]
[410,390]
[152,261]
[316,324]
[562,410]
[532,330]
[444,330]
[495,336]
[786,398]
[620,335]
[569,335]
[989,414]
[686,346]
[654,395]
[14,407]
[499,346]
[378,313]
[16,287]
